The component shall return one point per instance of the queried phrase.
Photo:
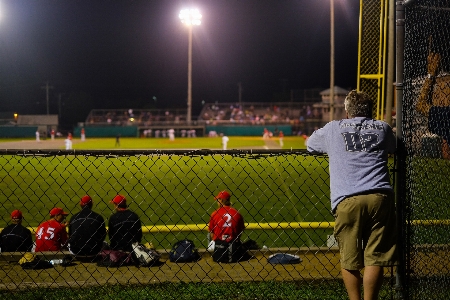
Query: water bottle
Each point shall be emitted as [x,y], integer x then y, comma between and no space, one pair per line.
[56,261]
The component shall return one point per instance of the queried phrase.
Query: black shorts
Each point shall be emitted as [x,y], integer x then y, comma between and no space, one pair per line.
[229,252]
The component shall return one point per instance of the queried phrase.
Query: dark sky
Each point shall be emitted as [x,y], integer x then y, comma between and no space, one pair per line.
[121,54]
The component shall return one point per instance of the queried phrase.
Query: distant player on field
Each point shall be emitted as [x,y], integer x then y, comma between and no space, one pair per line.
[362,198]
[83,135]
[281,137]
[225,140]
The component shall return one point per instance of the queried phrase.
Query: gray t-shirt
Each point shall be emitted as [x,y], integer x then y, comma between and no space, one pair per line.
[358,151]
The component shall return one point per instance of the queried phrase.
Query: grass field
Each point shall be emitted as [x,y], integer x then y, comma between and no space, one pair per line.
[176,189]
[241,142]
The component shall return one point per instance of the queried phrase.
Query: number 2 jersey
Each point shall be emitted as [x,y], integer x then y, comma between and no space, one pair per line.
[50,236]
[226,224]
[358,150]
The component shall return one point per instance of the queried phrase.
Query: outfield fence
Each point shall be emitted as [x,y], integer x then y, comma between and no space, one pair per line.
[283,196]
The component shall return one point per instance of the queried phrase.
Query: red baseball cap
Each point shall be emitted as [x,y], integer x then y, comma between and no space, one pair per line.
[223,195]
[86,199]
[57,211]
[117,200]
[16,214]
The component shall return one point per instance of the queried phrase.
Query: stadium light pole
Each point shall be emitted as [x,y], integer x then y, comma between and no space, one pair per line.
[190,17]
[331,60]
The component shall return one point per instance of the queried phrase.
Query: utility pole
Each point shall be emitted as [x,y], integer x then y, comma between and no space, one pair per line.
[59,108]
[47,87]
[331,60]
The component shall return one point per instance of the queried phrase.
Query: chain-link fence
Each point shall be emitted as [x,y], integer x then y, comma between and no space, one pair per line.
[425,131]
[283,197]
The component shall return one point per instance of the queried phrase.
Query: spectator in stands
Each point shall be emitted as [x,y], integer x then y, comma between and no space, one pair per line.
[51,235]
[16,237]
[226,226]
[86,230]
[362,198]
[124,226]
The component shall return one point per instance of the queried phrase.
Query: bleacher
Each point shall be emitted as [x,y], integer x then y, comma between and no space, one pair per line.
[245,113]
[136,117]
[301,117]
[257,113]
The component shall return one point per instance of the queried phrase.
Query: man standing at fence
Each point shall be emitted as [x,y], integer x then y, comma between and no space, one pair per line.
[86,230]
[362,199]
[51,235]
[16,237]
[226,226]
[124,226]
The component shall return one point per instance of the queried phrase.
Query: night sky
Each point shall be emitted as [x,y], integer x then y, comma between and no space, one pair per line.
[123,54]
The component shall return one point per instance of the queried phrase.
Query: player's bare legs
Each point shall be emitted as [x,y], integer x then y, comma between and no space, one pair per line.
[373,279]
[352,280]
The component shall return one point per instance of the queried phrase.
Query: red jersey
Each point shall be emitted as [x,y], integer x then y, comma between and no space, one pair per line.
[226,224]
[50,236]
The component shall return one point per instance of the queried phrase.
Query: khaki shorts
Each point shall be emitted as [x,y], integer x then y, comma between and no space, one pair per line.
[366,231]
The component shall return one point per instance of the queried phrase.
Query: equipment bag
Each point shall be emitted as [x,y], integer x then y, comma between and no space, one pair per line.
[284,258]
[114,258]
[184,251]
[31,261]
[144,256]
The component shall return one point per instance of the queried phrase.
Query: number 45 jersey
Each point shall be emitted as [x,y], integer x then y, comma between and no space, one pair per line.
[357,149]
[50,236]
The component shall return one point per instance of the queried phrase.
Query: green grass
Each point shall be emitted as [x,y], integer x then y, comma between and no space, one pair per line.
[429,190]
[175,189]
[165,143]
[270,290]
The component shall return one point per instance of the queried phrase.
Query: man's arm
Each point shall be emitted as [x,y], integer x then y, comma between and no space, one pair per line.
[317,141]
